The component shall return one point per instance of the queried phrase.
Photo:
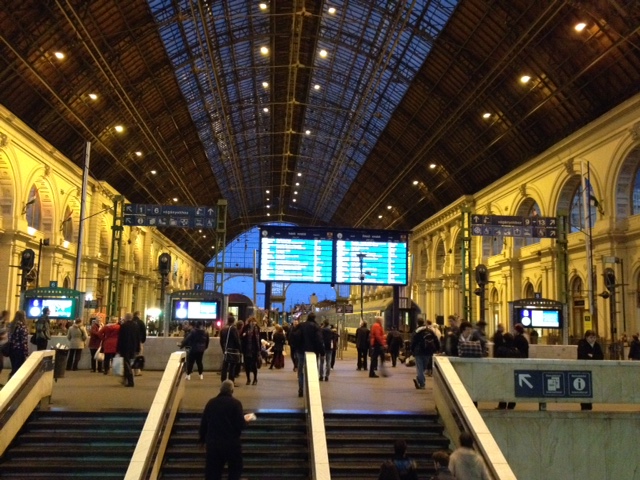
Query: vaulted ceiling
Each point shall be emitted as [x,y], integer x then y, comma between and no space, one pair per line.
[352,113]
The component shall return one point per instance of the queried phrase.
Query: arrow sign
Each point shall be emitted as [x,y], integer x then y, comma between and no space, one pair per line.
[523,378]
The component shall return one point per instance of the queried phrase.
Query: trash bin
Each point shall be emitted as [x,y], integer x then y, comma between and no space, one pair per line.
[60,363]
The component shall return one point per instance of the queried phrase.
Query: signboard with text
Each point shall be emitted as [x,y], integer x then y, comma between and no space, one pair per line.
[143,215]
[514,226]
[553,384]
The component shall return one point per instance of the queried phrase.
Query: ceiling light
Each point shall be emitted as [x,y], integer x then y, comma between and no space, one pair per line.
[580,26]
[263,6]
[119,128]
[265,84]
[486,115]
[268,191]
[299,174]
[323,53]
[204,236]
[213,246]
[175,199]
[415,182]
[379,216]
[59,55]
[308,132]
[432,166]
[138,153]
[297,184]
[389,207]
[153,172]
[200,230]
[268,214]
[265,110]
[268,199]
[268,206]
[93,96]
[316,87]
[294,199]
[332,10]
[295,192]
[525,79]
[264,50]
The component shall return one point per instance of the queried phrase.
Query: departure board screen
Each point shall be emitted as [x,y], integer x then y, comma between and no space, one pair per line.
[384,257]
[296,255]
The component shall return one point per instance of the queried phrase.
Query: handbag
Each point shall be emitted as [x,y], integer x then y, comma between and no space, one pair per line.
[231,355]
[118,366]
[99,356]
[33,339]
[470,348]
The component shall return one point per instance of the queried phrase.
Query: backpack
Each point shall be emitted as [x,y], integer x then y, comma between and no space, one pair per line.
[429,342]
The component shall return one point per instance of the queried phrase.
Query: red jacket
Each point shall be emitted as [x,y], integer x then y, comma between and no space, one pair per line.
[377,335]
[109,334]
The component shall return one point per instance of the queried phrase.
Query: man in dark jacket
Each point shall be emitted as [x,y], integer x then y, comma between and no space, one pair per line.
[128,346]
[424,344]
[142,330]
[308,339]
[362,345]
[220,429]
[229,340]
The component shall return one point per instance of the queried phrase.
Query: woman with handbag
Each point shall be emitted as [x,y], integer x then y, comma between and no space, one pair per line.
[18,341]
[95,345]
[77,336]
[109,335]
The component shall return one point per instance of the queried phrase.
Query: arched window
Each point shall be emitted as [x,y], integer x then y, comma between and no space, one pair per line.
[635,193]
[67,225]
[492,245]
[423,262]
[529,291]
[34,209]
[576,214]
[529,208]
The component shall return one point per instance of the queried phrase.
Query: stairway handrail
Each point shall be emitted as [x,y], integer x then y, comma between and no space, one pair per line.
[318,451]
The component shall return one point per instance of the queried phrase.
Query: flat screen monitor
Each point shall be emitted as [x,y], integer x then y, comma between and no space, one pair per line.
[184,310]
[538,317]
[59,308]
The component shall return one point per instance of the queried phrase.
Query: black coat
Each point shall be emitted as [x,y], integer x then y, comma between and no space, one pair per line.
[588,352]
[311,337]
[362,338]
[234,338]
[222,421]
[128,339]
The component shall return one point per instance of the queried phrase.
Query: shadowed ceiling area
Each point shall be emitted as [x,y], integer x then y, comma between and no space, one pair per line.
[367,114]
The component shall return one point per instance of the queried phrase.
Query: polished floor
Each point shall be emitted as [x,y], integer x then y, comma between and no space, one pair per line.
[347,390]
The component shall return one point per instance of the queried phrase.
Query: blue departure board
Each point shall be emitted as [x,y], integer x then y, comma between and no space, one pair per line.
[296,255]
[384,260]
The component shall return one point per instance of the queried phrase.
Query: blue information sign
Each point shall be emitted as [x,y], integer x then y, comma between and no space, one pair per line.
[550,384]
[136,214]
[514,226]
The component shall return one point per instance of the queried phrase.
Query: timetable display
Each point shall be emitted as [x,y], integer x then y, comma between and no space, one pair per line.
[296,255]
[384,257]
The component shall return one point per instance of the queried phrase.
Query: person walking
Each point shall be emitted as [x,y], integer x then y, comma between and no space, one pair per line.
[634,348]
[43,330]
[465,463]
[424,344]
[589,349]
[250,339]
[279,341]
[128,346]
[196,342]
[325,360]
[142,331]
[405,465]
[362,345]
[292,343]
[378,345]
[77,336]
[95,343]
[441,464]
[109,336]
[18,342]
[394,344]
[308,338]
[220,430]
[231,347]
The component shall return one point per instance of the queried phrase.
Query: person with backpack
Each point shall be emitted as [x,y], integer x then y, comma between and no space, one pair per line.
[424,344]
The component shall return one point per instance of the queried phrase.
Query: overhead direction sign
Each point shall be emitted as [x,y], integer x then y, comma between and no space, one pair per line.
[143,215]
[553,384]
[514,226]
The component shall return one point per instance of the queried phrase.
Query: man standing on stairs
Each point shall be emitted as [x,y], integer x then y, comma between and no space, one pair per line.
[220,429]
[307,338]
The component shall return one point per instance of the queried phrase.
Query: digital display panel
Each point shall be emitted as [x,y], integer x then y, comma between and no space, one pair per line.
[58,307]
[538,318]
[296,255]
[384,257]
[195,310]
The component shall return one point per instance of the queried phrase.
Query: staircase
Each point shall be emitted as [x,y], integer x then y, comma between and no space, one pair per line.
[73,445]
[359,443]
[274,447]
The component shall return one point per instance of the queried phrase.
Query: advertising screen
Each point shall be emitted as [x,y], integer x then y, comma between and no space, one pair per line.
[195,310]
[296,255]
[539,318]
[59,308]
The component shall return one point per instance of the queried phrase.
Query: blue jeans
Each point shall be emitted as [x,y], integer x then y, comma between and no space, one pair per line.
[421,364]
[325,365]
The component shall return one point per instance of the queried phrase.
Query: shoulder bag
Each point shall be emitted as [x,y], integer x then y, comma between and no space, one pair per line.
[231,355]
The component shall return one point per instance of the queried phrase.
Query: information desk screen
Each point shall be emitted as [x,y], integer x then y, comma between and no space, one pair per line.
[538,318]
[296,255]
[385,259]
[195,310]
[59,308]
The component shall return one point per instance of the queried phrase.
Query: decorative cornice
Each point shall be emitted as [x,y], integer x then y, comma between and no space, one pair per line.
[635,131]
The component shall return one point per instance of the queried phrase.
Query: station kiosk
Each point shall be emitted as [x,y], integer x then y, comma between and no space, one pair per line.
[542,318]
